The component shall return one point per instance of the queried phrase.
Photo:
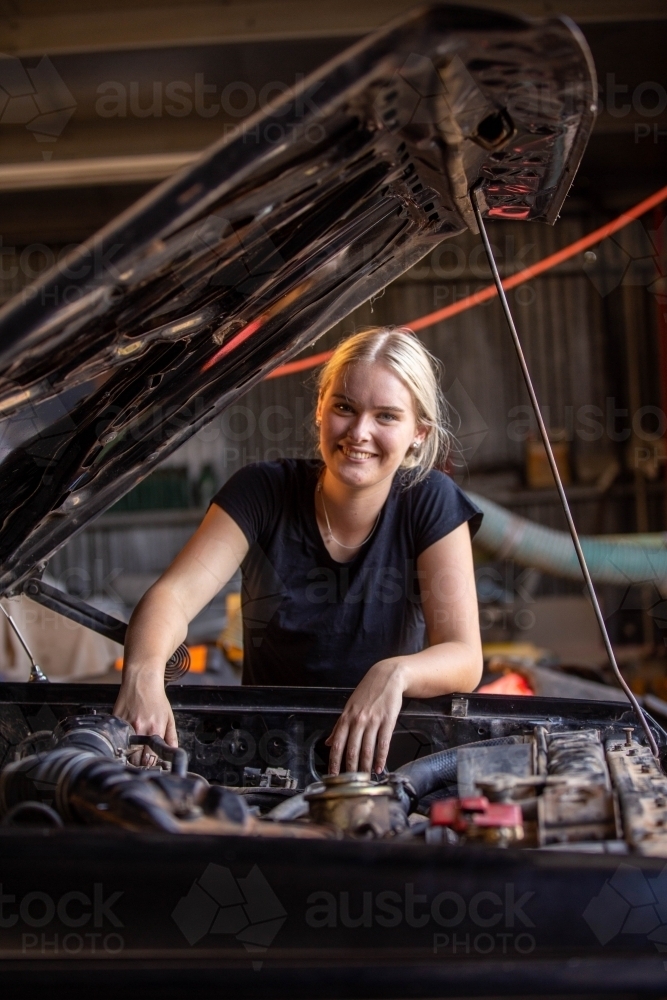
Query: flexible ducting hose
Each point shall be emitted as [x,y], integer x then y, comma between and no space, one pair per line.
[510,537]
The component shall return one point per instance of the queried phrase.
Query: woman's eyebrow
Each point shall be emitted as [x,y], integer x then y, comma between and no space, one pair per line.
[349,399]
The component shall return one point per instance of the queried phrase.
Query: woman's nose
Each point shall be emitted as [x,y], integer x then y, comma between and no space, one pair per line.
[359,428]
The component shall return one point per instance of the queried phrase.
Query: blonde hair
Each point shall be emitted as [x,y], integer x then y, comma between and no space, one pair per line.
[407,358]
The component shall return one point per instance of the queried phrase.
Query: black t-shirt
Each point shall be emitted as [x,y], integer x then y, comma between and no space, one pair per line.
[309,620]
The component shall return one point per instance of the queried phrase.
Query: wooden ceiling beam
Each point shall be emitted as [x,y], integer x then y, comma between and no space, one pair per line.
[31,28]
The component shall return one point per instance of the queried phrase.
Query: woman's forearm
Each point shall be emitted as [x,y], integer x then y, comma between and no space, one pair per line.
[157,627]
[160,621]
[440,669]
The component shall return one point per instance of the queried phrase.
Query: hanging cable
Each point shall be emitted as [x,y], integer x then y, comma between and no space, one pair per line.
[556,474]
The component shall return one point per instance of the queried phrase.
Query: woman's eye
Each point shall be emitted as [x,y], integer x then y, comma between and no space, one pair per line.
[387,416]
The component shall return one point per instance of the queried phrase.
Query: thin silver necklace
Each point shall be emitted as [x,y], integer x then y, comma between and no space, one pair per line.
[331,537]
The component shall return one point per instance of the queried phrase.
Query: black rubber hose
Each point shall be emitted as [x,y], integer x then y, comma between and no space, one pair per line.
[428,774]
[177,755]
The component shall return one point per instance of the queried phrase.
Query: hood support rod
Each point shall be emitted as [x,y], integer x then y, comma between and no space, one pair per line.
[37,675]
[97,621]
[556,474]
[75,609]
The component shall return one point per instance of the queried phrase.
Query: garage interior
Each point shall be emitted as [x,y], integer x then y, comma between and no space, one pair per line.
[146,88]
[507,845]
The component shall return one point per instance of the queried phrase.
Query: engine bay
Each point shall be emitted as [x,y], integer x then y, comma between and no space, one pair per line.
[474,770]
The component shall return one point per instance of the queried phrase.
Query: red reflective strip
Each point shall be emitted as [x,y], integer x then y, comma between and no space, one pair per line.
[490,291]
[298,366]
[242,335]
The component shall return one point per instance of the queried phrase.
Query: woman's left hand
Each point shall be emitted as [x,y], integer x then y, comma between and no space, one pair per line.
[363,732]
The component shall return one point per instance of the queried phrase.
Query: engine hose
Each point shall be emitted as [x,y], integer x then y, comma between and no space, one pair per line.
[177,756]
[428,774]
[293,808]
[510,537]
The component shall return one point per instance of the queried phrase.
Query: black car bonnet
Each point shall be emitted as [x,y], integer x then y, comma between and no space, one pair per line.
[145,333]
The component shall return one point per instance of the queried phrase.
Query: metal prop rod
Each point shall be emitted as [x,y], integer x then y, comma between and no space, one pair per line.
[36,672]
[556,474]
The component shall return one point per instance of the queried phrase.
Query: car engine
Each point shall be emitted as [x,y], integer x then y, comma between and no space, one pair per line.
[548,785]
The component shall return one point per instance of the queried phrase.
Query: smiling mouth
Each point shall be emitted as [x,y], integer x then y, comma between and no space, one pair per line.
[356,453]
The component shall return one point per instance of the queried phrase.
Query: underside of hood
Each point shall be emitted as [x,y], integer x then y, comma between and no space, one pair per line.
[164,318]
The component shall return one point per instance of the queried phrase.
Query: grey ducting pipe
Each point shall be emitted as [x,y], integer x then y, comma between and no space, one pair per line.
[507,536]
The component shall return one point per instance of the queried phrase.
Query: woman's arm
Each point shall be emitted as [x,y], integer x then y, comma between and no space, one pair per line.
[452,662]
[160,621]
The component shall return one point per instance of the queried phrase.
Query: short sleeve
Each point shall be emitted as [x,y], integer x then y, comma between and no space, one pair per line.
[440,506]
[251,498]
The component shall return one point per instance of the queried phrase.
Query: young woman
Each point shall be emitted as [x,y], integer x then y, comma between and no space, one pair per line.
[357,568]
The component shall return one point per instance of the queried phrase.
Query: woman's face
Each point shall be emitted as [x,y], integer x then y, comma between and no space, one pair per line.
[367,424]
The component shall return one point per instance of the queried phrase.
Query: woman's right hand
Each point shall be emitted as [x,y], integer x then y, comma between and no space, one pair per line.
[142,701]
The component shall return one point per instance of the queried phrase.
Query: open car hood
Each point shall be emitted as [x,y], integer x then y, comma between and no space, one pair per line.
[145,333]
